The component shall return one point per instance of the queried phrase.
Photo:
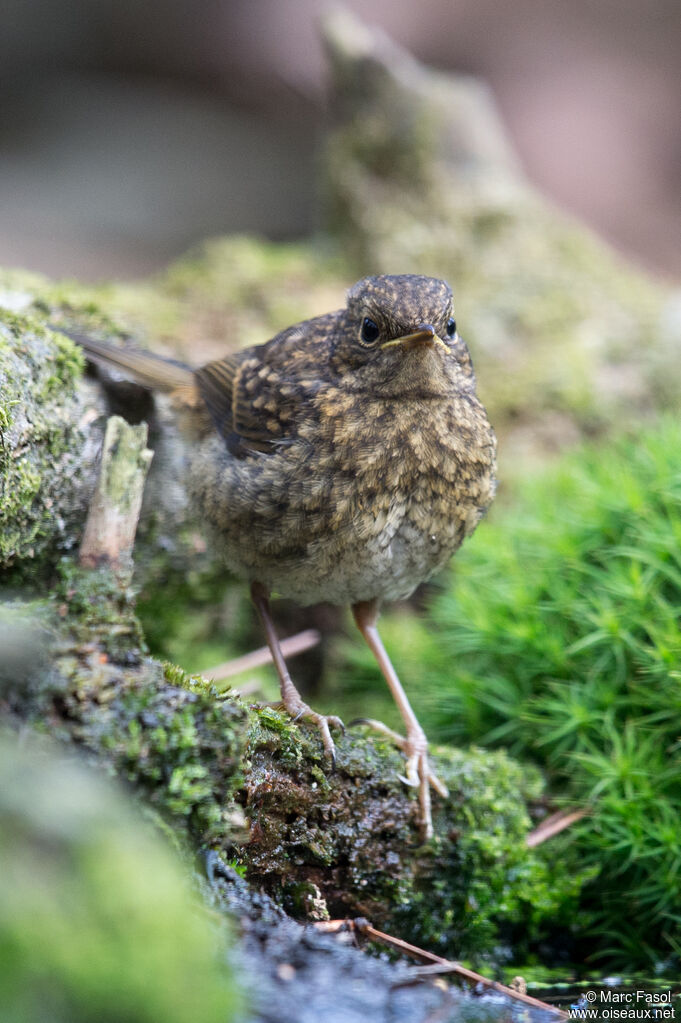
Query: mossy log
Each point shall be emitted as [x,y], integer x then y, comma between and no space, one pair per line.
[53,416]
[98,920]
[248,782]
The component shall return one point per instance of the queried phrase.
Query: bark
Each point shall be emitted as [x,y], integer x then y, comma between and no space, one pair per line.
[111,523]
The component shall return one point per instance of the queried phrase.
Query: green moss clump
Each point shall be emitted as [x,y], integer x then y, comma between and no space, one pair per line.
[182,750]
[476,891]
[176,738]
[484,894]
[96,917]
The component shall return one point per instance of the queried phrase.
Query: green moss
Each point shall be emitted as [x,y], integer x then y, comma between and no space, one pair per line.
[292,744]
[181,753]
[181,749]
[177,676]
[320,779]
[476,891]
[483,893]
[174,737]
[274,719]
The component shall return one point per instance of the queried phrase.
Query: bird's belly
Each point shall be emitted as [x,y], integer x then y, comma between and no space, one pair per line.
[396,564]
[387,564]
[338,538]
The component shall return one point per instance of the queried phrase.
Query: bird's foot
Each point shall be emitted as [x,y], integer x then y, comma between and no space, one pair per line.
[418,772]
[300,711]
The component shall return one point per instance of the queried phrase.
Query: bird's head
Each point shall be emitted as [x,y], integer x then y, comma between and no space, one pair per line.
[399,337]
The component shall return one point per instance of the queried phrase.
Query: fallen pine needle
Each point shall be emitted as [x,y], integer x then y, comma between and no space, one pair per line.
[553,825]
[257,658]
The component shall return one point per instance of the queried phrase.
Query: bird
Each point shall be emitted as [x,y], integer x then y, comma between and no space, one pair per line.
[343,461]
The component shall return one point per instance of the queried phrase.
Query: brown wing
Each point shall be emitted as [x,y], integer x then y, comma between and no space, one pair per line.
[251,406]
[215,382]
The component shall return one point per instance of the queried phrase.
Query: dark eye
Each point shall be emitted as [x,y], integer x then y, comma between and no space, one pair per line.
[451,328]
[370,331]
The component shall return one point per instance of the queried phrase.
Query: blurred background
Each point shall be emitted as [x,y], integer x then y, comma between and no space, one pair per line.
[130,131]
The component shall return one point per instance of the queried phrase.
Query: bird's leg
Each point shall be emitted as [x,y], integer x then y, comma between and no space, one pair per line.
[415,744]
[291,699]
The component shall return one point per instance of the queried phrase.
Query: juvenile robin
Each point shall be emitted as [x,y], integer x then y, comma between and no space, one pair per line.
[344,460]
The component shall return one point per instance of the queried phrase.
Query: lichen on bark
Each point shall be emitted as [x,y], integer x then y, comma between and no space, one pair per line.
[48,443]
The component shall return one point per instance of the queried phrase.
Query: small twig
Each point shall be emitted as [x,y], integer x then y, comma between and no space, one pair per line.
[440,965]
[289,647]
[553,825]
[109,534]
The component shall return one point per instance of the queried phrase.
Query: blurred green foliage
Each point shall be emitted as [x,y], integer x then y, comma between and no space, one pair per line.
[96,918]
[559,638]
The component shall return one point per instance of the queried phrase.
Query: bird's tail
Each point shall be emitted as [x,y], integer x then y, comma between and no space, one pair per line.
[143,367]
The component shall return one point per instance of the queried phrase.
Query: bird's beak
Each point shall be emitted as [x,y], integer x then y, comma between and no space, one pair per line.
[423,335]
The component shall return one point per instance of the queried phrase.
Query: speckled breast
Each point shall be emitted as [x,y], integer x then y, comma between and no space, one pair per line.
[354,521]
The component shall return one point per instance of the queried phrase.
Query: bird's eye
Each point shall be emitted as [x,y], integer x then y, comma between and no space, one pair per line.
[451,327]
[370,331]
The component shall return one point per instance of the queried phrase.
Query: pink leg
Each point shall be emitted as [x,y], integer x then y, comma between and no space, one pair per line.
[415,745]
[290,697]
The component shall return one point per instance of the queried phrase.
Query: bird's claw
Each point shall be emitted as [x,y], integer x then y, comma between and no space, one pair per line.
[300,711]
[418,773]
[405,781]
[415,749]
